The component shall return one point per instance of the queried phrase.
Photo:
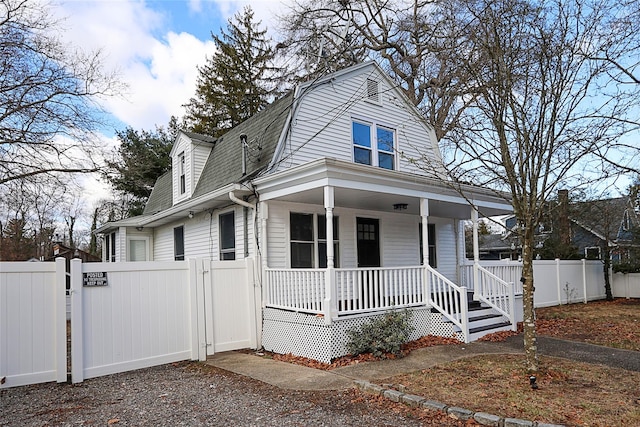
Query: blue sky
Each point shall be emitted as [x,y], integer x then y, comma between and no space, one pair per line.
[155,48]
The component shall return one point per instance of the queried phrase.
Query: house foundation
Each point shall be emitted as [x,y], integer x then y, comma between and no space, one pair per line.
[308,335]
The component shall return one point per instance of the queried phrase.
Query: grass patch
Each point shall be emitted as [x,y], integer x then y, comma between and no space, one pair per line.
[569,392]
[611,323]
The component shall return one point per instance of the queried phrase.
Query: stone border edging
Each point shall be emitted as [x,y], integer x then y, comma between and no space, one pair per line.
[482,418]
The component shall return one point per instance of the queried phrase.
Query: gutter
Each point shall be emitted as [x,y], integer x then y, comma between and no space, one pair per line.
[241,202]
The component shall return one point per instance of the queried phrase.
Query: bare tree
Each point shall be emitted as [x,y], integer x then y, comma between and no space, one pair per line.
[545,114]
[415,41]
[49,95]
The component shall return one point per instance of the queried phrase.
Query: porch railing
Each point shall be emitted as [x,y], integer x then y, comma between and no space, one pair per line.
[496,293]
[509,271]
[356,290]
[360,290]
[296,289]
[449,299]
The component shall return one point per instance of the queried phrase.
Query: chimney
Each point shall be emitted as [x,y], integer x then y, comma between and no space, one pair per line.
[564,227]
[243,142]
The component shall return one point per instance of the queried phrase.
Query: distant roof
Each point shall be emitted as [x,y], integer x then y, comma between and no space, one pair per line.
[601,217]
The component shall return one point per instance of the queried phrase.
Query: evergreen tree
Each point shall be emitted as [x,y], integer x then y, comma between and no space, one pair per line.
[237,81]
[16,243]
[141,158]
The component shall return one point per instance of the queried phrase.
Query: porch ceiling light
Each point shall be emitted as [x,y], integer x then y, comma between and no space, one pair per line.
[190,214]
[400,206]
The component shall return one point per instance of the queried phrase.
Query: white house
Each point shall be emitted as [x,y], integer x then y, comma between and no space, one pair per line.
[337,191]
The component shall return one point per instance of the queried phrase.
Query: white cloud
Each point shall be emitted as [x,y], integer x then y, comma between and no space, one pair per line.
[158,65]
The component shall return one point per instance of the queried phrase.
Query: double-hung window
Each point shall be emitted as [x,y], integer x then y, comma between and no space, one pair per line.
[373,144]
[110,243]
[227,236]
[178,243]
[183,180]
[309,240]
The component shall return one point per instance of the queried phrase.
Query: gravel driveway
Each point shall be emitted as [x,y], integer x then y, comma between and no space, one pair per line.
[193,394]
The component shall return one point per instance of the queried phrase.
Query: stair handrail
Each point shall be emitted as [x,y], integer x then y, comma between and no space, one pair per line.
[448,298]
[499,295]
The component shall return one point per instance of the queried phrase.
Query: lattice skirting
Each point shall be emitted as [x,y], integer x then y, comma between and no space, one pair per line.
[307,335]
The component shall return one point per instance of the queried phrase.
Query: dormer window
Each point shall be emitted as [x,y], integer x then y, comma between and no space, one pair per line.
[183,181]
[626,221]
[373,144]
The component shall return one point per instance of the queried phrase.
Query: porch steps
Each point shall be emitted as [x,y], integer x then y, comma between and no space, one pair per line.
[483,320]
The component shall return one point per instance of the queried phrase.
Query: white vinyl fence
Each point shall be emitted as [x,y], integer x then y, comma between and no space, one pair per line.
[562,282]
[626,285]
[124,316]
[140,317]
[32,323]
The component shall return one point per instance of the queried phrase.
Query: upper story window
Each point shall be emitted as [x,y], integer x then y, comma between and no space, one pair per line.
[181,166]
[626,221]
[373,145]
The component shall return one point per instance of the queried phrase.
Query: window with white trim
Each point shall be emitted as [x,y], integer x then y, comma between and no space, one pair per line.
[183,180]
[308,240]
[138,249]
[592,252]
[178,243]
[110,247]
[373,144]
[226,223]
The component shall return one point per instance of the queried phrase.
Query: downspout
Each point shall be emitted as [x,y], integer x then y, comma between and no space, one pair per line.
[247,205]
[256,303]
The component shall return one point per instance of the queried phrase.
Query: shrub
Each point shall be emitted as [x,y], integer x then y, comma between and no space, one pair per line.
[626,267]
[381,335]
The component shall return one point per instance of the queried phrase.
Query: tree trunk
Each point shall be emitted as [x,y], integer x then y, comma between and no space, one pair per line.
[529,316]
[606,267]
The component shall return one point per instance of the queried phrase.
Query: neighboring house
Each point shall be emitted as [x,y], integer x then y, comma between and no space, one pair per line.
[599,223]
[588,227]
[337,190]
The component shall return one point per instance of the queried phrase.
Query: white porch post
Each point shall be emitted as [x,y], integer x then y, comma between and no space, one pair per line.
[330,303]
[461,253]
[424,216]
[476,253]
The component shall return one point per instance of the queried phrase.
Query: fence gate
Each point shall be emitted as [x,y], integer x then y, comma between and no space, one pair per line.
[231,312]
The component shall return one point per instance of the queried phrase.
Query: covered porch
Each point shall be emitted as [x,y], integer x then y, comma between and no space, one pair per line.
[400,245]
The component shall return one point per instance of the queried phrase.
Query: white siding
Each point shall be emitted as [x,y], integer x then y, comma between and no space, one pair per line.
[399,239]
[322,123]
[197,236]
[163,243]
[201,236]
[446,247]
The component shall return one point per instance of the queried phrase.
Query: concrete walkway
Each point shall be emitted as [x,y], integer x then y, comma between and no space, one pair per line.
[295,377]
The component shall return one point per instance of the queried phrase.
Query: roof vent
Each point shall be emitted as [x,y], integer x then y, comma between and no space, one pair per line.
[373,91]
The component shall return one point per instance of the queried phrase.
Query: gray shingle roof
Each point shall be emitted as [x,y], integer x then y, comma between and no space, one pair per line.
[263,131]
[161,197]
